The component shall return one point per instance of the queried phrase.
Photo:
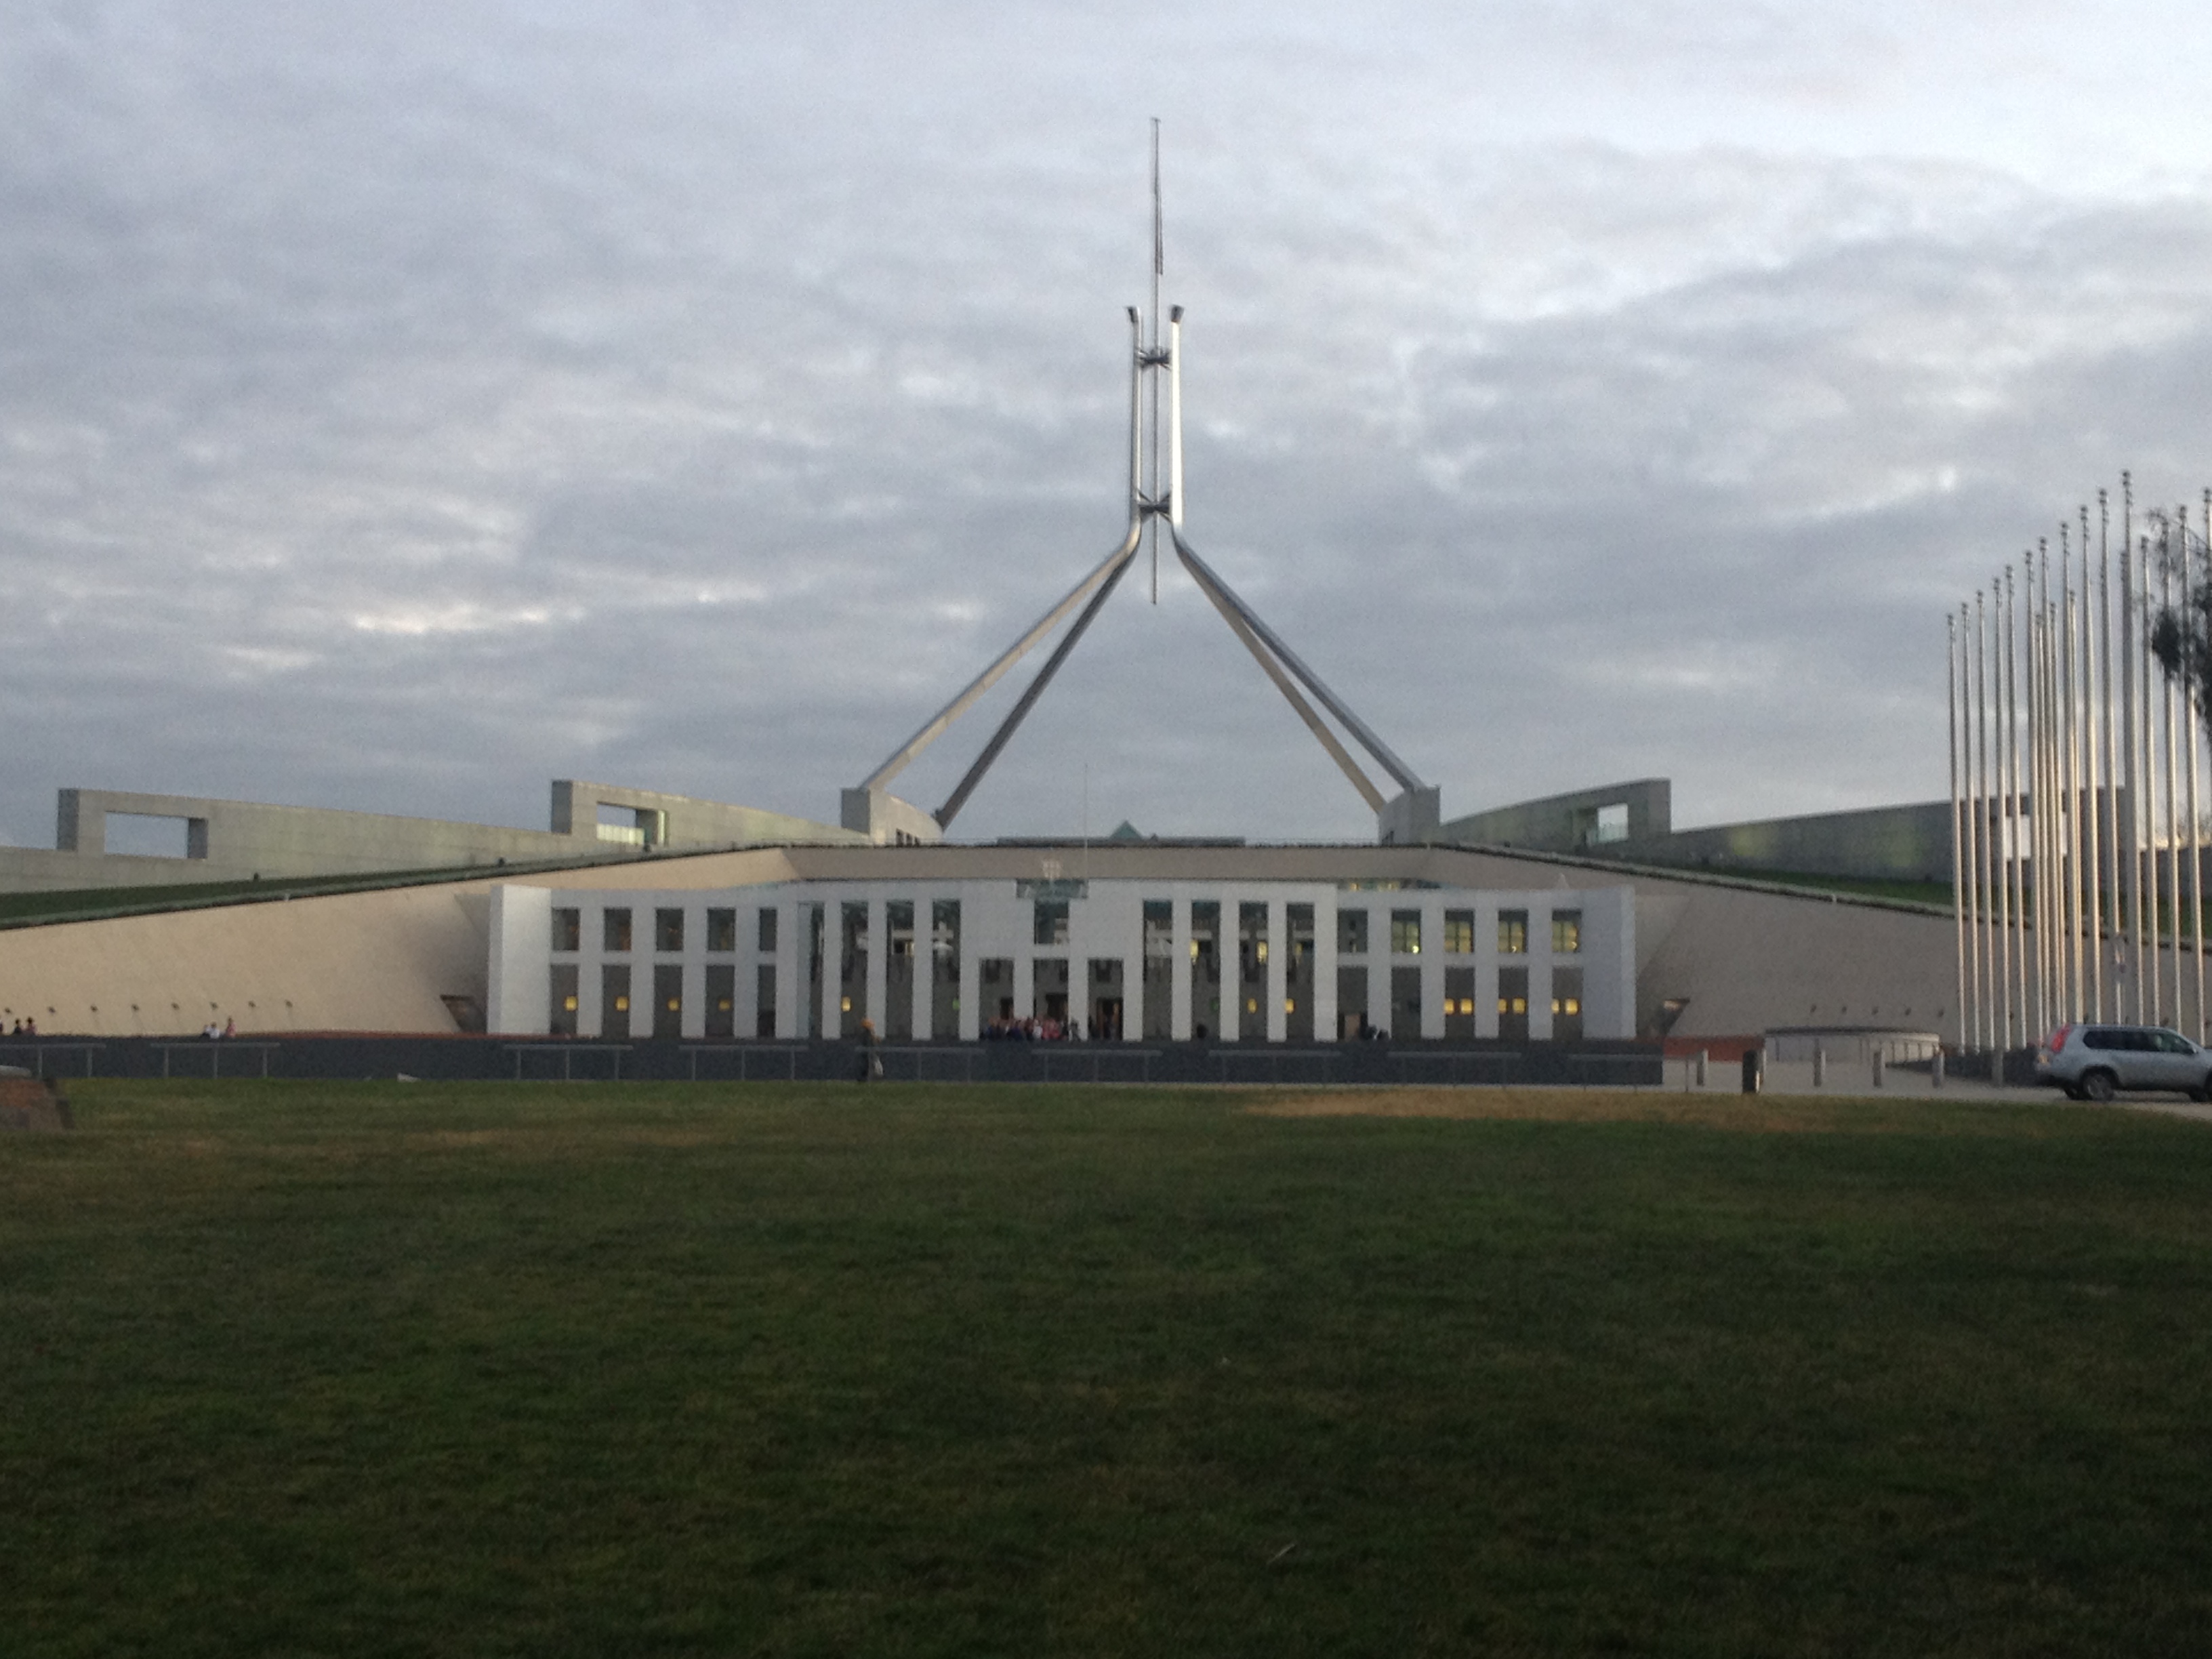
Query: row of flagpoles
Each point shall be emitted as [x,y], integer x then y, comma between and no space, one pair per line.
[2092,908]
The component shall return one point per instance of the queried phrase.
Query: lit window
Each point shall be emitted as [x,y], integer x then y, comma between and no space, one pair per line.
[1251,1004]
[1459,932]
[1512,933]
[1405,933]
[844,1005]
[622,1004]
[1259,947]
[569,1003]
[1566,1005]
[1566,932]
[675,1003]
[1512,1005]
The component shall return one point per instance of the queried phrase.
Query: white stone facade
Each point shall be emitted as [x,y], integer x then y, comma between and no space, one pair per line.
[1437,963]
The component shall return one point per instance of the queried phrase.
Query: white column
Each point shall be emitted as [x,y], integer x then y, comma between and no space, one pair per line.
[694,1019]
[1327,1027]
[971,971]
[876,1003]
[790,1000]
[833,964]
[1433,968]
[1179,1015]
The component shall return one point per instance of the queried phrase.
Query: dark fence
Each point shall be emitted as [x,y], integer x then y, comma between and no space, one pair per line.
[510,1059]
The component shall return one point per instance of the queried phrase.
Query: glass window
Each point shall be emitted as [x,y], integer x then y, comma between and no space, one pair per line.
[1566,932]
[616,925]
[1159,927]
[768,930]
[564,999]
[1512,933]
[1050,926]
[1351,933]
[1459,932]
[668,930]
[721,930]
[1405,932]
[568,929]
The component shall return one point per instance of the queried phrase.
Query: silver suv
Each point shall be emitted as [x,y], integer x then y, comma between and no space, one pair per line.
[2094,1062]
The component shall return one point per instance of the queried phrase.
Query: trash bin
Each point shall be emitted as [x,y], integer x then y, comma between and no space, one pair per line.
[1754,1069]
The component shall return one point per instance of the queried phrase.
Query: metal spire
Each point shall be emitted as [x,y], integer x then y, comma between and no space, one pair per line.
[1156,492]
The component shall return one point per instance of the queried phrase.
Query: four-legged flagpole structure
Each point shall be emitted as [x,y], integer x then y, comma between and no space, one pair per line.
[1156,498]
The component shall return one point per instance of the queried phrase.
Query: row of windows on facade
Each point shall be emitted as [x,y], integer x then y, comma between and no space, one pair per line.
[996,973]
[1050,927]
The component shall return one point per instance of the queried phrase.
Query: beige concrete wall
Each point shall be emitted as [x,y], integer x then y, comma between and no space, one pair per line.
[355,962]
[1743,960]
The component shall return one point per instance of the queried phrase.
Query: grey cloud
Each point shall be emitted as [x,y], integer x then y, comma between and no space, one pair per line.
[405,422]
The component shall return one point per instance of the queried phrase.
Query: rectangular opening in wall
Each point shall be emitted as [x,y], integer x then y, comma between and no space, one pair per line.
[1405,932]
[613,931]
[721,930]
[1612,823]
[1252,997]
[1459,933]
[764,1000]
[1105,1017]
[1352,1023]
[1299,973]
[668,930]
[811,917]
[143,836]
[1049,989]
[614,1001]
[996,974]
[668,1000]
[1459,1001]
[722,1000]
[1405,1004]
[567,928]
[1566,1005]
[631,826]
[1157,991]
[1205,970]
[898,971]
[562,1014]
[944,969]
[1050,922]
[853,967]
[1512,933]
[767,932]
[1566,932]
[1351,933]
[1513,1005]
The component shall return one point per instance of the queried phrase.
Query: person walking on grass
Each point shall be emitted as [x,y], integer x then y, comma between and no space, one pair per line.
[872,1064]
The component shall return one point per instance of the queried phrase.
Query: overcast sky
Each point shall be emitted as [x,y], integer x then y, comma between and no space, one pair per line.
[403,406]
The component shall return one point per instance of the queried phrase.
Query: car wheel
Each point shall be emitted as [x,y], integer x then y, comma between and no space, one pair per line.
[2097,1085]
[2202,1091]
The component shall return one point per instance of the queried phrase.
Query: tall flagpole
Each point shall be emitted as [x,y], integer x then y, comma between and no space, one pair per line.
[2112,742]
[2191,689]
[1952,682]
[2172,778]
[2017,946]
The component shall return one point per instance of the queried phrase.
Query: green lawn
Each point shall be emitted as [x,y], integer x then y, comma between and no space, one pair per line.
[382,1369]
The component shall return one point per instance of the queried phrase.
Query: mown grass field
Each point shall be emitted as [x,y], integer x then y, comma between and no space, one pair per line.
[406,1369]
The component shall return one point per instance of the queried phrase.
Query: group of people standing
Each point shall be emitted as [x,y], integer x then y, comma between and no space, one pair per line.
[25,1028]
